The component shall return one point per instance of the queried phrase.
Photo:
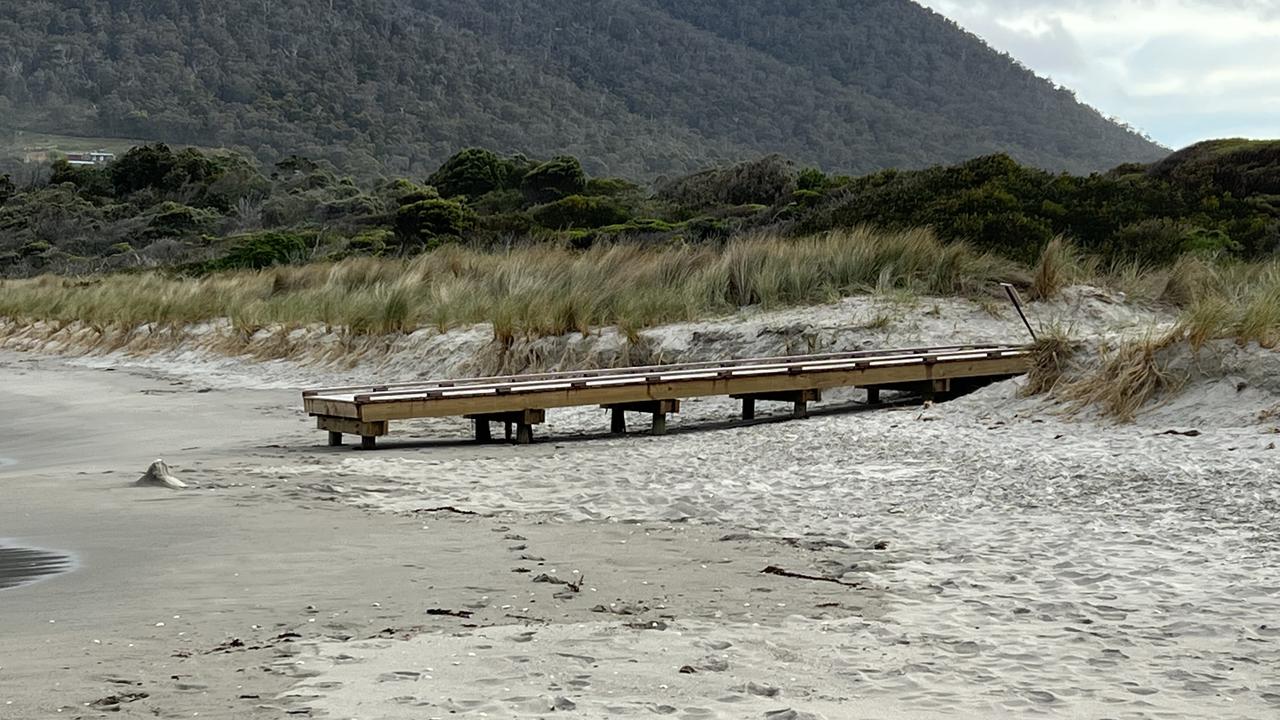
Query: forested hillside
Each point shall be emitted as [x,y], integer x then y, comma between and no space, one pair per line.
[632,87]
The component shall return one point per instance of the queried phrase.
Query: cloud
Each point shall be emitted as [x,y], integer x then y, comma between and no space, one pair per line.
[1180,70]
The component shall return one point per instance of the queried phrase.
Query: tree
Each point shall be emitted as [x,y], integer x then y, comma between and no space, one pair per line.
[7,189]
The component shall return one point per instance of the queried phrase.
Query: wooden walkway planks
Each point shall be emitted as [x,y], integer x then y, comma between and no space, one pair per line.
[361,409]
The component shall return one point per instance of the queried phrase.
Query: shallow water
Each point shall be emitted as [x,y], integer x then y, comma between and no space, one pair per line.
[23,566]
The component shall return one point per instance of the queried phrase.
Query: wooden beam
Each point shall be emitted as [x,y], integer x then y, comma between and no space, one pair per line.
[647,406]
[341,426]
[523,416]
[786,396]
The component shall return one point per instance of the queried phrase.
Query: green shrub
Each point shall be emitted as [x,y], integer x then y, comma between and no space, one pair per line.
[356,207]
[371,242]
[424,223]
[766,181]
[557,178]
[407,192]
[90,181]
[35,247]
[610,187]
[515,223]
[264,249]
[1158,241]
[577,211]
[474,172]
[811,180]
[807,198]
[171,219]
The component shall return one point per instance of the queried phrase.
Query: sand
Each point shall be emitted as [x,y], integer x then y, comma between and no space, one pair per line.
[989,557]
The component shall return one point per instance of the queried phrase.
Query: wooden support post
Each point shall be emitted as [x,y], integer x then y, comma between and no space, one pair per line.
[659,423]
[335,439]
[873,396]
[523,420]
[659,409]
[800,409]
[368,442]
[524,434]
[799,400]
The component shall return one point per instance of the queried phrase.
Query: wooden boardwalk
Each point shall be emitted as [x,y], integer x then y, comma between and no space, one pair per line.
[520,402]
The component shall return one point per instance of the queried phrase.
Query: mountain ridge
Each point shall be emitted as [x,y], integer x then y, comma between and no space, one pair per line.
[640,88]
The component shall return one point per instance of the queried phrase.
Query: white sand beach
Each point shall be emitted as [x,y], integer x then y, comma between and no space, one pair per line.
[989,557]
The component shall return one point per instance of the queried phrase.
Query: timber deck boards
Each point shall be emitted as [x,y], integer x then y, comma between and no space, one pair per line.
[368,408]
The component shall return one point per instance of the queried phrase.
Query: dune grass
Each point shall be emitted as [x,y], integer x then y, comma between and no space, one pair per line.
[1232,302]
[529,291]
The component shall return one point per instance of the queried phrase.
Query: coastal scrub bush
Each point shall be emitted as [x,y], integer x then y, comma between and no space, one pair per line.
[89,181]
[171,219]
[372,242]
[259,250]
[580,212]
[1155,241]
[474,172]
[557,178]
[407,192]
[764,182]
[610,187]
[427,222]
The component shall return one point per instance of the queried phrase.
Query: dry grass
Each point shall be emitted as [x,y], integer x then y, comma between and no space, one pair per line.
[1238,302]
[1061,265]
[1129,378]
[1050,354]
[531,291]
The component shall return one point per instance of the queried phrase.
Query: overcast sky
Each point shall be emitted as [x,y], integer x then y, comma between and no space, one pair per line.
[1179,70]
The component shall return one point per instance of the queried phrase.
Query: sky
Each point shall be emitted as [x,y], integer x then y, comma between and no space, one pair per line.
[1177,70]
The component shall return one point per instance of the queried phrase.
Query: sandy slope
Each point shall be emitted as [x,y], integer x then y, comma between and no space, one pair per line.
[994,558]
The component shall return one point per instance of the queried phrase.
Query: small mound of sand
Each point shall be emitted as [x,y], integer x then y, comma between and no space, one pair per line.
[159,475]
